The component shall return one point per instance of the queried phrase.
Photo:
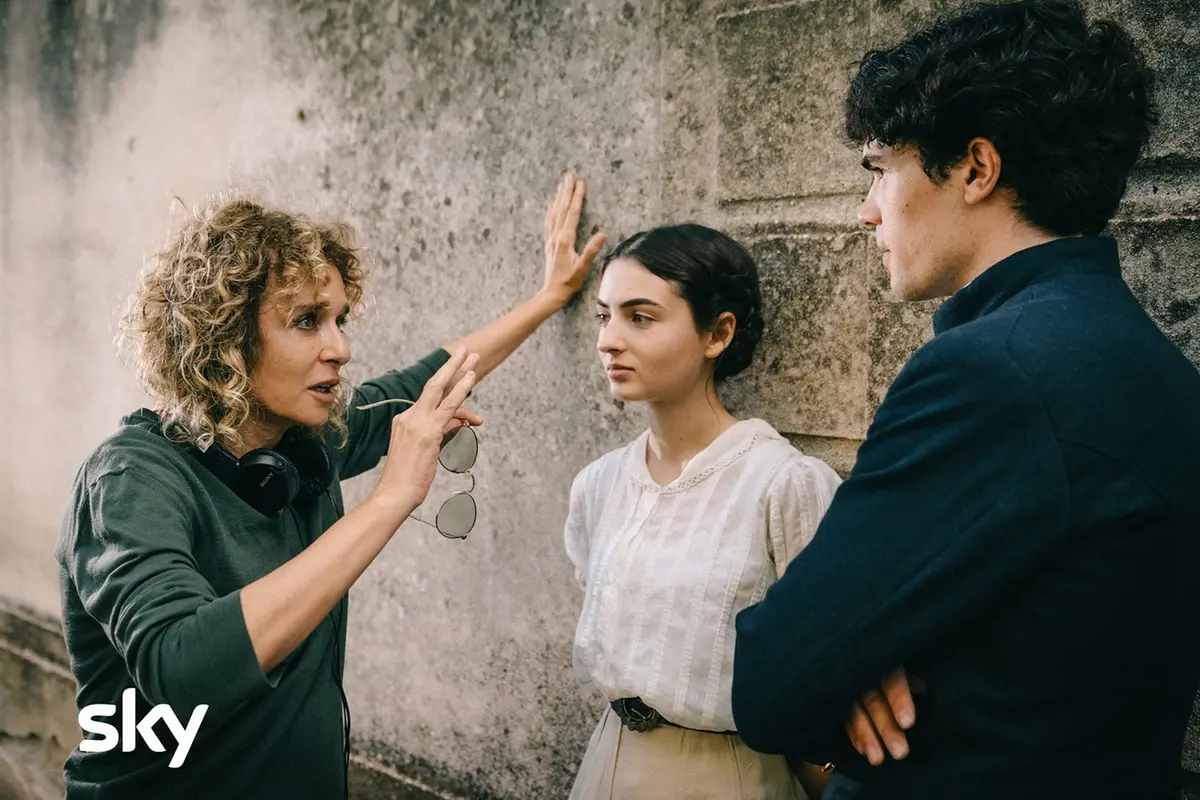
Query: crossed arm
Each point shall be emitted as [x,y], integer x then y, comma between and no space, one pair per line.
[915,541]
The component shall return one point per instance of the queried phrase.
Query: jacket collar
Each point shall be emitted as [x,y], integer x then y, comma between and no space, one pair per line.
[999,283]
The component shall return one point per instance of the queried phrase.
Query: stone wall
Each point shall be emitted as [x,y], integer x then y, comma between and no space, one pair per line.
[438,129]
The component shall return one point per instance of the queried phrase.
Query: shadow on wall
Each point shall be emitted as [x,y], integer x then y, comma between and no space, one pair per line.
[75,39]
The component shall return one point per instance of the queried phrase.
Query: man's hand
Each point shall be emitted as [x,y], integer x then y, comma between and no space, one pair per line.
[881,716]
[566,269]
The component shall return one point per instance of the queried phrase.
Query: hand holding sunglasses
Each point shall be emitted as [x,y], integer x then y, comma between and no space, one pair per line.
[456,516]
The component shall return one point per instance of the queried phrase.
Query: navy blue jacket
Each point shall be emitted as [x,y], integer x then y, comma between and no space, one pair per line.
[1021,531]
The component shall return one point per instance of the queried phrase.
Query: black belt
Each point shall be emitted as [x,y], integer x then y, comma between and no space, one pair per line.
[637,716]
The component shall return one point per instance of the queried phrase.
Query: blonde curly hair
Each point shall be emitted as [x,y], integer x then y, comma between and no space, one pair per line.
[192,321]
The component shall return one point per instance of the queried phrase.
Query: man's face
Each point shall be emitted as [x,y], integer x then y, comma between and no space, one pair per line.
[920,226]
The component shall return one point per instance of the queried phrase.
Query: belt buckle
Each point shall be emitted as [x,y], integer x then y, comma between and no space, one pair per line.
[637,719]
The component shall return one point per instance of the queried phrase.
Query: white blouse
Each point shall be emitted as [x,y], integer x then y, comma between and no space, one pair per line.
[666,569]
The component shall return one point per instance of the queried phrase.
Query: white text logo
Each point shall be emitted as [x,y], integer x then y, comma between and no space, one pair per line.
[130,728]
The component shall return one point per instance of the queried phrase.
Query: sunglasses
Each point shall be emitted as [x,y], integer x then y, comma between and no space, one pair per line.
[456,516]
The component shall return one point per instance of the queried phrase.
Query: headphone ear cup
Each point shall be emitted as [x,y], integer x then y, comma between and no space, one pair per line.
[312,461]
[266,480]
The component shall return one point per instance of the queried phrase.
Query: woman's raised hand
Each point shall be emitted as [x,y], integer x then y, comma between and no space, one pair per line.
[566,269]
[417,434]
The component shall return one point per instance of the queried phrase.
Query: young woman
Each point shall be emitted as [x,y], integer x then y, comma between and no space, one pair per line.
[206,555]
[676,532]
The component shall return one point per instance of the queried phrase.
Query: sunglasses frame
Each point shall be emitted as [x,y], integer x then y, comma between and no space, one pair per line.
[442,464]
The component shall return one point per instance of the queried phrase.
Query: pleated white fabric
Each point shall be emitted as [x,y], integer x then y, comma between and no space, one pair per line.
[666,569]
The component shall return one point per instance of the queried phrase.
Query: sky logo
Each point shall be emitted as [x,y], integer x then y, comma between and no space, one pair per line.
[131,728]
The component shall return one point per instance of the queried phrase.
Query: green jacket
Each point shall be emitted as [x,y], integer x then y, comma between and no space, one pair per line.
[153,553]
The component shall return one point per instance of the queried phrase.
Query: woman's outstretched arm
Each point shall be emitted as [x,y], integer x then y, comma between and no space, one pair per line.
[565,272]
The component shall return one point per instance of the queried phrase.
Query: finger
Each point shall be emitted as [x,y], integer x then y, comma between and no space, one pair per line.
[458,393]
[435,387]
[560,199]
[852,735]
[852,731]
[466,416]
[899,697]
[864,736]
[552,211]
[885,724]
[471,363]
[571,223]
[445,372]
[453,426]
[551,217]
[569,190]
[591,250]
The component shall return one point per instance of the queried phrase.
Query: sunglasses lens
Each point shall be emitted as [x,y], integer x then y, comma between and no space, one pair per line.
[456,517]
[460,450]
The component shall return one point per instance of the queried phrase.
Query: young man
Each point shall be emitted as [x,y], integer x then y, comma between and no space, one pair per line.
[1020,529]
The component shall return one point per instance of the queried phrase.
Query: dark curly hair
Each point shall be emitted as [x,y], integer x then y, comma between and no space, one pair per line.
[1069,107]
[713,273]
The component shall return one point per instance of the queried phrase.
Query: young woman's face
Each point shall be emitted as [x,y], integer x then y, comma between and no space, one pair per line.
[302,352]
[649,344]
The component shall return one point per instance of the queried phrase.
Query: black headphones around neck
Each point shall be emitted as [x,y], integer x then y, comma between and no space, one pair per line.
[296,470]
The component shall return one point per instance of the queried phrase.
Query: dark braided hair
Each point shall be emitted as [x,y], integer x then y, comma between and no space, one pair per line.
[713,273]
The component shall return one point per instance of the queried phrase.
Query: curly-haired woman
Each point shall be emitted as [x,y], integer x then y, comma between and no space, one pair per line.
[675,533]
[206,555]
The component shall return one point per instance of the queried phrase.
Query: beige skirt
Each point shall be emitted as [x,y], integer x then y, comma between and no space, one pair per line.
[670,763]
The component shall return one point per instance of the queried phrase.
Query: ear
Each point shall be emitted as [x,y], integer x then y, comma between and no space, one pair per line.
[980,169]
[721,334]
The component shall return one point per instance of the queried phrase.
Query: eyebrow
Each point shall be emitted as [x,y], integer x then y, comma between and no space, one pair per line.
[309,308]
[637,301]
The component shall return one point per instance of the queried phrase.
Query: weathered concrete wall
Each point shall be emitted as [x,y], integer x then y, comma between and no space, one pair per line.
[438,129]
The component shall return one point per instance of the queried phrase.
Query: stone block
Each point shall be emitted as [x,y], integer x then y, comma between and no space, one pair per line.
[811,371]
[29,769]
[1161,189]
[835,337]
[895,20]
[1160,265]
[785,72]
[898,329]
[689,111]
[37,702]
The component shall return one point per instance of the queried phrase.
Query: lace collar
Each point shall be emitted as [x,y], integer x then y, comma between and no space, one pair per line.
[720,453]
